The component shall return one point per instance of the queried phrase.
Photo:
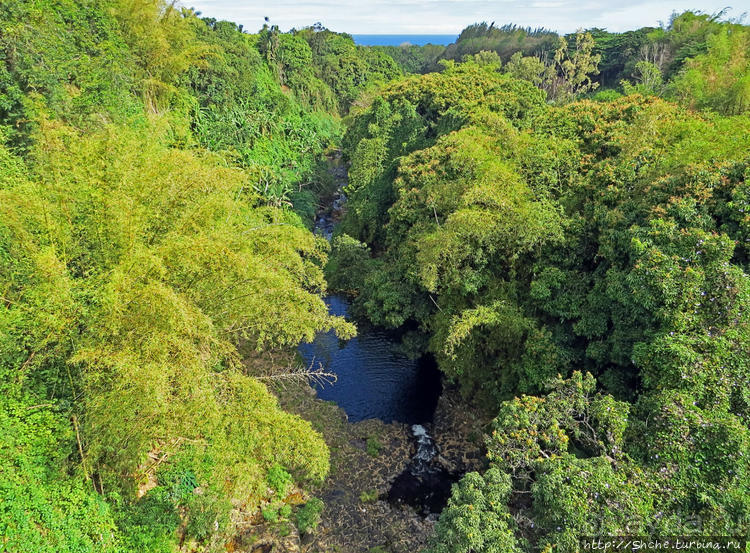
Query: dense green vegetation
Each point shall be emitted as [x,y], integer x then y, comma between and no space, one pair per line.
[325,68]
[696,58]
[580,270]
[156,182]
[560,221]
[414,59]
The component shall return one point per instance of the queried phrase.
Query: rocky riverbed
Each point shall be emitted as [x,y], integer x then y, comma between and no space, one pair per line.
[366,458]
[364,512]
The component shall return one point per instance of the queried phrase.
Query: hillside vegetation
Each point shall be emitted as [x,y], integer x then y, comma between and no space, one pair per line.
[580,270]
[696,59]
[157,178]
[576,260]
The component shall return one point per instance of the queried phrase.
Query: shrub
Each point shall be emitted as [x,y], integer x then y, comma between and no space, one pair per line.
[279,480]
[369,496]
[308,516]
[373,446]
[276,511]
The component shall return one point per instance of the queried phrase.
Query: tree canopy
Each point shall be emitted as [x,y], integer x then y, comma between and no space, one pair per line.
[151,223]
[561,221]
[578,269]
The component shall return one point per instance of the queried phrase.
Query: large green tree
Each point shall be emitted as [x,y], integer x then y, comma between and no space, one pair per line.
[147,160]
[526,242]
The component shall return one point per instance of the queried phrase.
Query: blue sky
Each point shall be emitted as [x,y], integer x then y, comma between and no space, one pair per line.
[450,16]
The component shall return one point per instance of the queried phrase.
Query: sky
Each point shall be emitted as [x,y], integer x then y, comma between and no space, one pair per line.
[450,16]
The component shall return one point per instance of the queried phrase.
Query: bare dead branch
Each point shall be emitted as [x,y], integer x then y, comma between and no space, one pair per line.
[314,375]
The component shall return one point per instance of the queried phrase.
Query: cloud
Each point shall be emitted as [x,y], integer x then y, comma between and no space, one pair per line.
[449,16]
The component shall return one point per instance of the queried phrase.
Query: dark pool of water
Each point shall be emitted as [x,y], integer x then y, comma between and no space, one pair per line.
[374,380]
[424,484]
[427,493]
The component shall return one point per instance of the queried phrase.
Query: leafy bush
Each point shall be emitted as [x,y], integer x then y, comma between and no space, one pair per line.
[276,512]
[373,446]
[308,516]
[369,496]
[279,480]
[270,513]
[476,518]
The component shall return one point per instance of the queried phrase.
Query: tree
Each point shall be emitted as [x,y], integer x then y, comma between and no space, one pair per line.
[476,519]
[719,78]
[575,69]
[648,80]
[532,69]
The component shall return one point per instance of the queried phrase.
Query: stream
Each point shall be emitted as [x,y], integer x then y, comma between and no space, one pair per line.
[375,380]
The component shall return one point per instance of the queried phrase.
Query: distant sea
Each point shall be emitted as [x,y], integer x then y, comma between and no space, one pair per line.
[398,40]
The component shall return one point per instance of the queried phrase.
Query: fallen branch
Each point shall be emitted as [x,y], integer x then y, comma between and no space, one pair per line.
[317,375]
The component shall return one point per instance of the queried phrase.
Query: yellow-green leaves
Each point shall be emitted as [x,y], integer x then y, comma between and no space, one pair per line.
[142,267]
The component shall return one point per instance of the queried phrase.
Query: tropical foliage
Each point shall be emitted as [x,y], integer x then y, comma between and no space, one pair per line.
[580,271]
[149,165]
[575,259]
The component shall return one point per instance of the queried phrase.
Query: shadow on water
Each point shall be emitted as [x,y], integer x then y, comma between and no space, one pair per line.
[374,380]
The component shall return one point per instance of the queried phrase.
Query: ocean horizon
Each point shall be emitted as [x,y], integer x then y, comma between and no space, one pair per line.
[398,40]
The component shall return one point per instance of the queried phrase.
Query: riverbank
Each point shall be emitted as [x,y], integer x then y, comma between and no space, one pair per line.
[364,511]
[366,458]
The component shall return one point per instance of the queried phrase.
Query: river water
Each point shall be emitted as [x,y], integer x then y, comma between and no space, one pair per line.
[374,379]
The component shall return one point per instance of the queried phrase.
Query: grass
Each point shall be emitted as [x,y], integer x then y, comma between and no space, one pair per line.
[369,496]
[373,446]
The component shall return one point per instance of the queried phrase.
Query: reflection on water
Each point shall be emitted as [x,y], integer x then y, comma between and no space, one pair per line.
[374,380]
